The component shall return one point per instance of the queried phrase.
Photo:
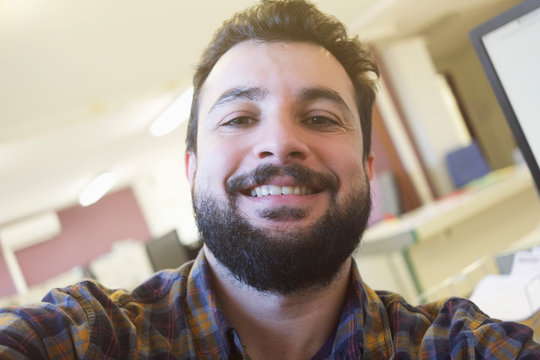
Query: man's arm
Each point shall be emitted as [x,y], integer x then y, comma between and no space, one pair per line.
[42,331]
[35,333]
[469,333]
[68,324]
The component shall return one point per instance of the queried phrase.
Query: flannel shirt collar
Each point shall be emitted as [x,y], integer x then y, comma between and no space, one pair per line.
[363,330]
[210,329]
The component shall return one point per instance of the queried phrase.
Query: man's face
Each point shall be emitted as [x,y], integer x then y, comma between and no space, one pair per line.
[279,142]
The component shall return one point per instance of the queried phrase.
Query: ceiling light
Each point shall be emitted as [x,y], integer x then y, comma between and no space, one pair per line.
[174,115]
[96,189]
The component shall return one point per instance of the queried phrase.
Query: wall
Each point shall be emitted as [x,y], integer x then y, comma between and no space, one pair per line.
[6,285]
[87,232]
[164,195]
[406,161]
[486,118]
[388,160]
[413,77]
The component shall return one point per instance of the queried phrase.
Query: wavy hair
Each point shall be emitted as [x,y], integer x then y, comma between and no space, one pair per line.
[292,21]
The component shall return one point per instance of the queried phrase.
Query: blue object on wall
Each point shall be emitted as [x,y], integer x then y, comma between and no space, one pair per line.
[466,164]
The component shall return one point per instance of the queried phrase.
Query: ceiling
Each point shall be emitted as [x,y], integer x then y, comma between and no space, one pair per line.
[81,81]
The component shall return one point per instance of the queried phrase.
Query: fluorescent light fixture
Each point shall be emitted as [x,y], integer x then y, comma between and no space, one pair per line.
[96,189]
[174,115]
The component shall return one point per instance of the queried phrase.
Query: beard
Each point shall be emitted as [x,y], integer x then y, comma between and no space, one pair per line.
[284,259]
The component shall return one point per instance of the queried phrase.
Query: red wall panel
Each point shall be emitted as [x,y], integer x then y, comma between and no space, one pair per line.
[87,232]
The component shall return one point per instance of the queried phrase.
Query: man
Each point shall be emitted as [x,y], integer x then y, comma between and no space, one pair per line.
[278,157]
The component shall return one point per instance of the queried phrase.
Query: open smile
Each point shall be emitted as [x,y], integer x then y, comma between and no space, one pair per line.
[290,182]
[268,190]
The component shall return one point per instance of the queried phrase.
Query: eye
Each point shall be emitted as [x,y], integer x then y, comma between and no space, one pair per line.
[240,121]
[321,121]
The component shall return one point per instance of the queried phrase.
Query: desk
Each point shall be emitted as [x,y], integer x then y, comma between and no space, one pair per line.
[422,248]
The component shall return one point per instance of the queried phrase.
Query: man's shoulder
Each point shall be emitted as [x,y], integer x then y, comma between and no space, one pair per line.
[89,318]
[164,283]
[170,282]
[452,314]
[448,308]
[455,325]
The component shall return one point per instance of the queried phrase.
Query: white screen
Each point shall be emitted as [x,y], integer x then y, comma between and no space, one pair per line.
[514,50]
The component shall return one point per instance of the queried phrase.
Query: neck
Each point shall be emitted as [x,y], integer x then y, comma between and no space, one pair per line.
[276,326]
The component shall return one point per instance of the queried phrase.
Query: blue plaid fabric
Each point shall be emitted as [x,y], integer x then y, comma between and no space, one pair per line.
[175,315]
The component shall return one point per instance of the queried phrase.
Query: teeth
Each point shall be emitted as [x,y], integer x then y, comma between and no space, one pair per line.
[287,190]
[265,190]
[274,190]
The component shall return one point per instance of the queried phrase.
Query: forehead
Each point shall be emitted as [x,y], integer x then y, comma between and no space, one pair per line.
[281,68]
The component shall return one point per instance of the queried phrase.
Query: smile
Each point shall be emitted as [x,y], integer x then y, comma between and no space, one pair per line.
[266,190]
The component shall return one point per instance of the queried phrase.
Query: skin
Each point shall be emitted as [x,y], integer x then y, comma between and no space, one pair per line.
[278,103]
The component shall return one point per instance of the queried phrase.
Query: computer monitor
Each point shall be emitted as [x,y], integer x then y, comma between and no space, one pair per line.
[167,252]
[508,47]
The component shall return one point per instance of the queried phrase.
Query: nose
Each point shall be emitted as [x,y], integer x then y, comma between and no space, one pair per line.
[282,140]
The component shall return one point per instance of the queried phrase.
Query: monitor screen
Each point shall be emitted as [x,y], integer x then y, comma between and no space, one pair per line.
[167,252]
[508,47]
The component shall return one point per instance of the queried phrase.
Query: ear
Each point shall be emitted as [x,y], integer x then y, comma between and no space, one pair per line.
[369,165]
[191,166]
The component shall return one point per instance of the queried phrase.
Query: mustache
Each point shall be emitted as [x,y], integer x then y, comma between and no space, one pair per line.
[263,173]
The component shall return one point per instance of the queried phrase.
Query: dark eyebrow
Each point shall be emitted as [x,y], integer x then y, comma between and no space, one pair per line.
[316,93]
[246,93]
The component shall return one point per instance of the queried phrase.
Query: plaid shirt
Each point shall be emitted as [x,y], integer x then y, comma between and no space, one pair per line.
[175,315]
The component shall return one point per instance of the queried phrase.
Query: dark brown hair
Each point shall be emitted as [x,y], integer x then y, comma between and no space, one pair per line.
[292,20]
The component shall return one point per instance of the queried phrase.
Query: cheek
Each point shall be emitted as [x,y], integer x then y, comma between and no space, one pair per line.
[344,159]
[216,163]
[349,168]
[356,175]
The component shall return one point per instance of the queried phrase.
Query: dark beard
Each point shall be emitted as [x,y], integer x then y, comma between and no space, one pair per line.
[294,260]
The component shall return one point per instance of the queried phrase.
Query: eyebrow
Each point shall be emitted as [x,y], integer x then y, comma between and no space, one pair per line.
[239,93]
[318,93]
[257,94]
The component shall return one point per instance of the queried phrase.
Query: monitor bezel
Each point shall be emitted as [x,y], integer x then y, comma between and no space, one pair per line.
[475,36]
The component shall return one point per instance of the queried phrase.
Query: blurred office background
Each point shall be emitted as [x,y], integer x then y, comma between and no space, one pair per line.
[82,83]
